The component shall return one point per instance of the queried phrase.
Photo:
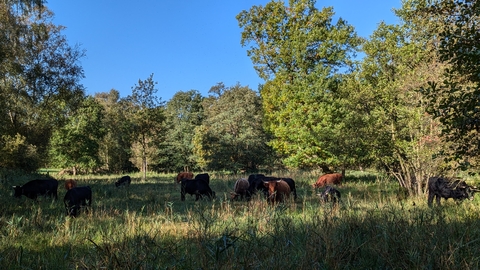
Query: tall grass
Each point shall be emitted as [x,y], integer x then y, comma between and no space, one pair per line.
[146,226]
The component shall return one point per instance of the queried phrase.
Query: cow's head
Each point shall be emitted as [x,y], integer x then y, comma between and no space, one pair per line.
[17,191]
[233,195]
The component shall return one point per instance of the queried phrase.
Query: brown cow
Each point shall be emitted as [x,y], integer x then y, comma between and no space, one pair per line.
[182,175]
[240,189]
[329,179]
[278,190]
[69,184]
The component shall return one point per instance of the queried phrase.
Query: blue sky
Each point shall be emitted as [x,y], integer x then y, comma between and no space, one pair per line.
[187,45]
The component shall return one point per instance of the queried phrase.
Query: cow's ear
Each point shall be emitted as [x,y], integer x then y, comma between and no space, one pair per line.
[265,183]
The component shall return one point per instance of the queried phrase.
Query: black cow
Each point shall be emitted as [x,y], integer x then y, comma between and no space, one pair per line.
[37,187]
[439,187]
[204,177]
[255,182]
[123,181]
[76,198]
[330,194]
[197,187]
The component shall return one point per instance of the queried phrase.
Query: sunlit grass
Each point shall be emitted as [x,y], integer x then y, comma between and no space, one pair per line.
[146,226]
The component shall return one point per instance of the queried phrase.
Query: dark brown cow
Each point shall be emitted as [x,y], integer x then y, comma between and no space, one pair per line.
[329,179]
[278,191]
[239,189]
[70,183]
[182,175]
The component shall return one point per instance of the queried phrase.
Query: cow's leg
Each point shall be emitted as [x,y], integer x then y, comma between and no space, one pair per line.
[437,198]
[430,199]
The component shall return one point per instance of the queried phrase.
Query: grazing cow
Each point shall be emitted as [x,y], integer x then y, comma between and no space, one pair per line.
[204,177]
[69,184]
[76,198]
[239,189]
[123,181]
[37,187]
[197,187]
[329,179]
[439,187]
[330,194]
[278,190]
[256,183]
[182,175]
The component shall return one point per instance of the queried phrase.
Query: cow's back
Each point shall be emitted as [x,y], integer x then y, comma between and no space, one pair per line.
[37,187]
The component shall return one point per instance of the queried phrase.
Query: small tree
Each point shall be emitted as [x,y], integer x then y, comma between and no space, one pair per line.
[231,137]
[76,145]
[146,113]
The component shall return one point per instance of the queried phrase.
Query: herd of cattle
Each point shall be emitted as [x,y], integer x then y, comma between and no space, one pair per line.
[274,189]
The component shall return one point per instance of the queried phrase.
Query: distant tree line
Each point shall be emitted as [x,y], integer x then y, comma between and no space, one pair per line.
[408,106]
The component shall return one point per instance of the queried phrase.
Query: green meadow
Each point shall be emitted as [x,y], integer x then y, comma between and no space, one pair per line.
[147,226]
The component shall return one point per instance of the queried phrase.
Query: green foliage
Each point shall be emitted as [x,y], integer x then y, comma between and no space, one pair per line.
[399,60]
[231,136]
[39,75]
[455,101]
[146,113]
[17,153]
[300,52]
[183,113]
[76,145]
[115,149]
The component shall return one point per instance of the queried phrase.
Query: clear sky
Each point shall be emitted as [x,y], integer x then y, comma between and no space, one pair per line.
[186,44]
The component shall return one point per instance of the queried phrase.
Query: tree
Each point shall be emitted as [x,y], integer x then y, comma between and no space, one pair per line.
[455,101]
[115,148]
[399,60]
[231,137]
[300,54]
[183,113]
[77,144]
[39,77]
[147,116]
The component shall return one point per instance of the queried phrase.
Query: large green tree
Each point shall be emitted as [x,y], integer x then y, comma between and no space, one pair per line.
[456,100]
[39,78]
[184,112]
[301,53]
[76,145]
[115,149]
[231,137]
[399,60]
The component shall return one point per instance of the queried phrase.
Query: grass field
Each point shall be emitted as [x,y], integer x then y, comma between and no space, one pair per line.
[146,226]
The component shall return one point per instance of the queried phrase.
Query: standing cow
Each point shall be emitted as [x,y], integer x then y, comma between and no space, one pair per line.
[278,190]
[37,187]
[439,187]
[330,194]
[69,184]
[329,179]
[239,189]
[123,181]
[77,198]
[256,184]
[182,175]
[198,187]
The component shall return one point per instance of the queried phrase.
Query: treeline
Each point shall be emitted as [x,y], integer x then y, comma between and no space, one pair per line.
[409,106]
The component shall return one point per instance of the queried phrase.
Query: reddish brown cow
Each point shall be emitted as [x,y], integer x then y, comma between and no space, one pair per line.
[69,184]
[182,175]
[240,189]
[329,179]
[278,191]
